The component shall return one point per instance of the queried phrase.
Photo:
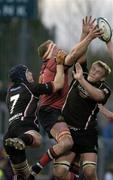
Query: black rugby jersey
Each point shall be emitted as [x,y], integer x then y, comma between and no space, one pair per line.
[22,100]
[79,109]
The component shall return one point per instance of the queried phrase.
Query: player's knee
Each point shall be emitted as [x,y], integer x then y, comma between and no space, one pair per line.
[89,170]
[67,142]
[37,138]
[61,170]
[65,139]
[89,173]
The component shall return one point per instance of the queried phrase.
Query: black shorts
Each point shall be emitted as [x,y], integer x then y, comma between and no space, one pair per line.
[18,127]
[48,116]
[84,141]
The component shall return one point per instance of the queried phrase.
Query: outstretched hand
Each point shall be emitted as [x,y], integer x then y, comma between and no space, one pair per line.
[95,32]
[87,24]
[78,75]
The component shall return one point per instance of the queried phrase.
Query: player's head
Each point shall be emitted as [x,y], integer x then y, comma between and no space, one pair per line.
[19,73]
[99,71]
[44,49]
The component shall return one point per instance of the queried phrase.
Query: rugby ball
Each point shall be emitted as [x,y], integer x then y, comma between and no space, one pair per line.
[103,24]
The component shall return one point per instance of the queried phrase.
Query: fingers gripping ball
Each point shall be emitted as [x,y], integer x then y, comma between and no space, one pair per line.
[60,57]
[103,24]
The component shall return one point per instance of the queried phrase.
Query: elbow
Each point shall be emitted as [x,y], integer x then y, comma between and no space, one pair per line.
[99,98]
[71,57]
[58,86]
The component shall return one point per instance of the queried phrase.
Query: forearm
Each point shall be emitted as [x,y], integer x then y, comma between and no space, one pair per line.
[93,92]
[78,50]
[108,114]
[59,78]
[110,48]
[83,35]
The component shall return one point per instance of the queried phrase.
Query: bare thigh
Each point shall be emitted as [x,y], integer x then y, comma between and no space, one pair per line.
[89,157]
[59,128]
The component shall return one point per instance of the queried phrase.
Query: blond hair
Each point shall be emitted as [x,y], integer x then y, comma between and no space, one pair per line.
[103,65]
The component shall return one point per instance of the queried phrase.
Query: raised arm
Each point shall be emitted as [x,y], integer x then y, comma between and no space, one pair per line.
[89,32]
[59,77]
[87,24]
[94,93]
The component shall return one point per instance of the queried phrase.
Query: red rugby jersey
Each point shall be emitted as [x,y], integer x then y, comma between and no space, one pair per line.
[48,71]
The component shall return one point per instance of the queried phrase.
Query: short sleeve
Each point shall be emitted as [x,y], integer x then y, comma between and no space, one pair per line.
[106,90]
[39,89]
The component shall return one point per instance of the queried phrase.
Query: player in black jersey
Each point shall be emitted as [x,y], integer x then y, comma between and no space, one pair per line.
[80,112]
[22,99]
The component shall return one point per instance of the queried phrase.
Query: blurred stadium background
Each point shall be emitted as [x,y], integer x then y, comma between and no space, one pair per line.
[24,24]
